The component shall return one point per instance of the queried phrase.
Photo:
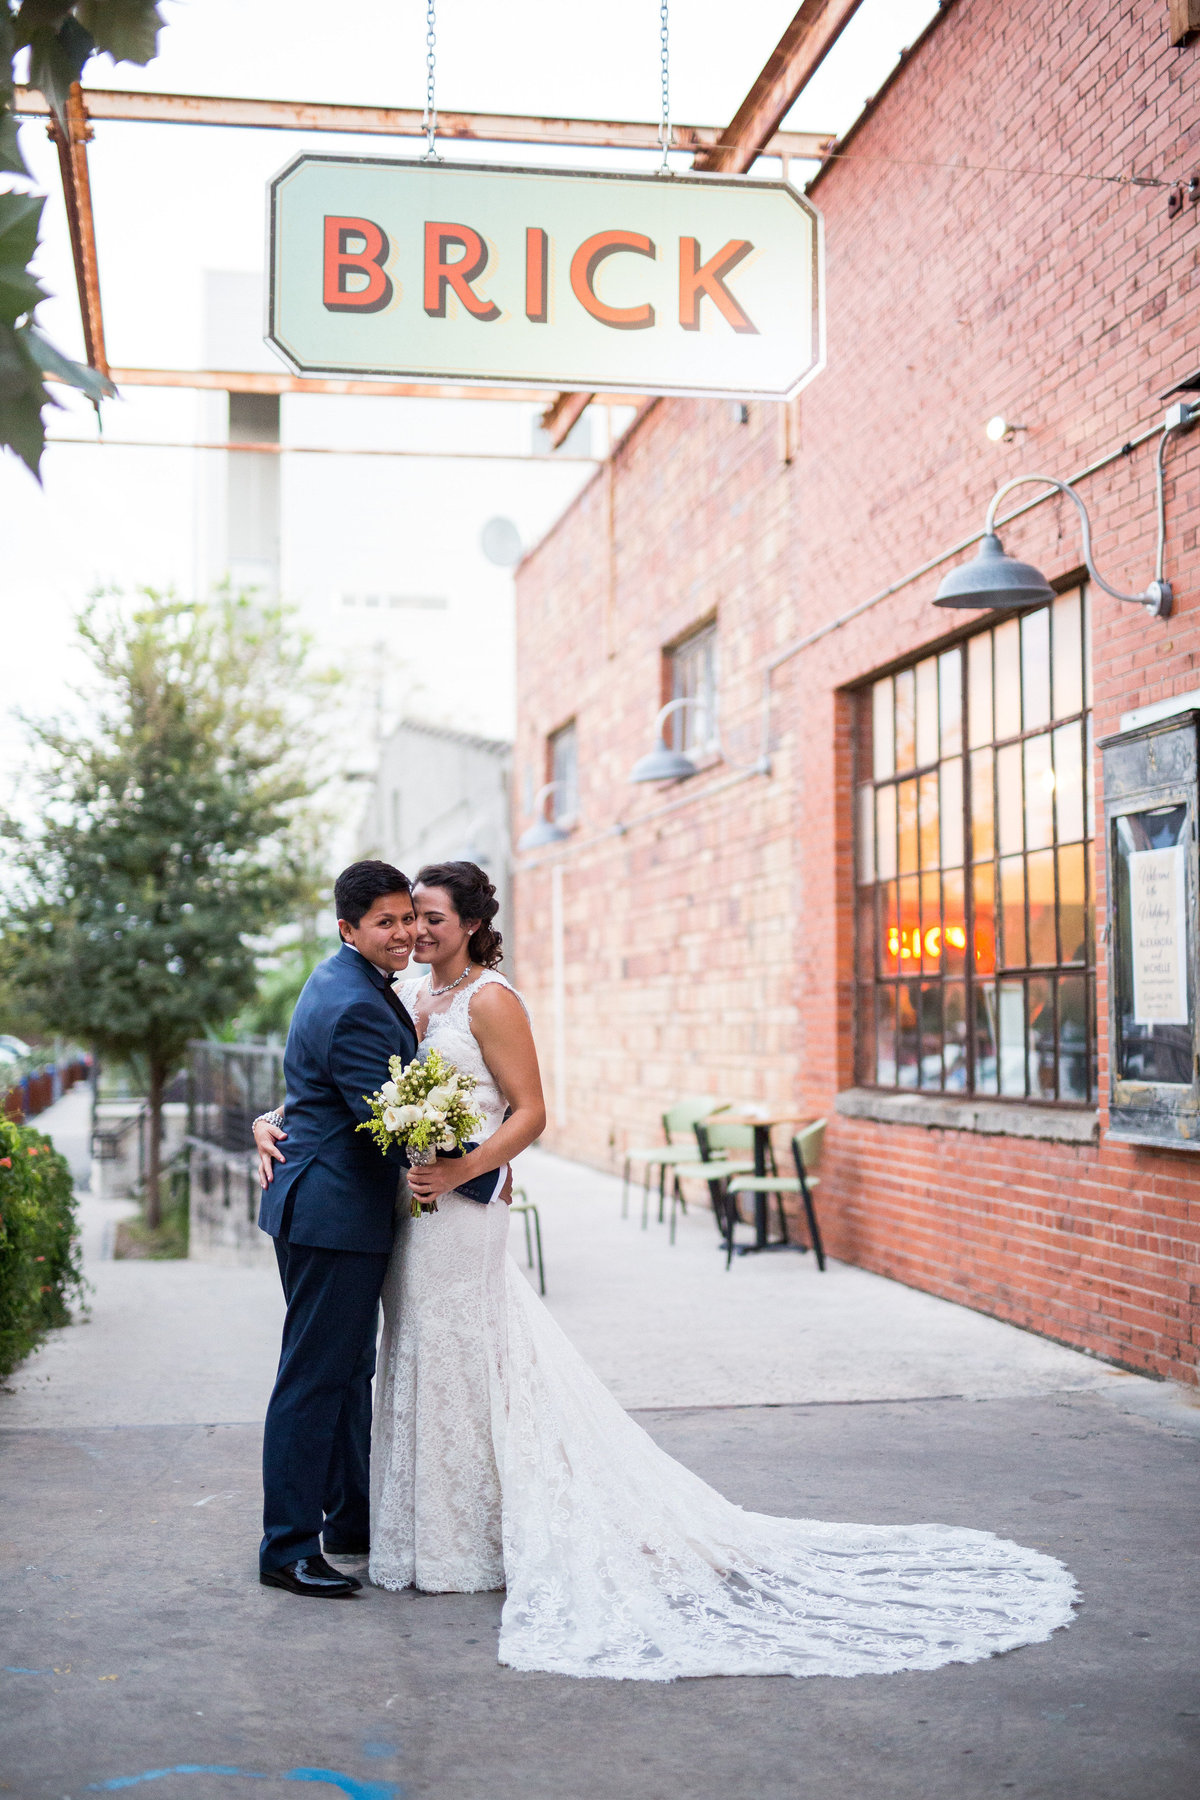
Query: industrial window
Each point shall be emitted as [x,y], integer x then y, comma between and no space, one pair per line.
[975,951]
[562,761]
[692,675]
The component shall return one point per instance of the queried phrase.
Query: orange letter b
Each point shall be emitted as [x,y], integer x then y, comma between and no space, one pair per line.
[341,260]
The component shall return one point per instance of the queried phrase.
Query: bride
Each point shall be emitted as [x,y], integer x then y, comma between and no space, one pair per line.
[500,1461]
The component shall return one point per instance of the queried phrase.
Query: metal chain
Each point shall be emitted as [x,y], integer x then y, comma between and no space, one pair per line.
[664,130]
[429,118]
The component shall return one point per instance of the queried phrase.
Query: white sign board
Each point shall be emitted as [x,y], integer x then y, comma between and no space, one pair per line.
[1158,936]
[675,284]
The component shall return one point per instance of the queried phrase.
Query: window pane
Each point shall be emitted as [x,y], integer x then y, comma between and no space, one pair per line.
[931,1035]
[1041,1038]
[1085,608]
[866,833]
[1072,1038]
[1035,668]
[1072,913]
[1007,642]
[1068,783]
[987,1060]
[694,677]
[906,805]
[885,1036]
[1039,874]
[930,833]
[979,688]
[910,923]
[954,1036]
[954,923]
[865,945]
[564,767]
[1008,798]
[1012,1037]
[889,929]
[1068,655]
[983,832]
[950,701]
[985,917]
[908,1035]
[883,731]
[951,810]
[864,1063]
[1012,907]
[931,923]
[927,711]
[885,833]
[1039,793]
[906,733]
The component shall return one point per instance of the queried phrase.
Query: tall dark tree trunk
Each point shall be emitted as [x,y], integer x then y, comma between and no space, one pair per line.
[154,1104]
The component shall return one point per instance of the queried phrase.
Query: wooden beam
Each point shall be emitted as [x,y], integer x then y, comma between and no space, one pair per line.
[563,414]
[114,105]
[260,381]
[77,195]
[796,58]
[1184,20]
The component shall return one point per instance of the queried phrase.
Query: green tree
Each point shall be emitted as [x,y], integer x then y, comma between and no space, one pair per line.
[175,832]
[61,36]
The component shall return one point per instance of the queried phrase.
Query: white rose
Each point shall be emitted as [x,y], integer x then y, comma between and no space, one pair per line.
[433,1114]
[449,1142]
[391,1118]
[389,1091]
[439,1098]
[406,1115]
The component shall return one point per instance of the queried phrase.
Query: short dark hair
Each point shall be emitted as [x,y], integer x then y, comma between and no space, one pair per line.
[357,888]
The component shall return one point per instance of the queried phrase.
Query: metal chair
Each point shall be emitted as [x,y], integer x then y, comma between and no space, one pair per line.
[725,1150]
[807,1146]
[526,1207]
[678,1119]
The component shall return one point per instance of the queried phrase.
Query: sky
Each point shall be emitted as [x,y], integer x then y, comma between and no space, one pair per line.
[175,204]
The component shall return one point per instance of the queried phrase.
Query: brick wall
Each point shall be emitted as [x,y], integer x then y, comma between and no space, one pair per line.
[707,943]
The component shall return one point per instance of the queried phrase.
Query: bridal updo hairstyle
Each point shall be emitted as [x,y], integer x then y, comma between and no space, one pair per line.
[473,896]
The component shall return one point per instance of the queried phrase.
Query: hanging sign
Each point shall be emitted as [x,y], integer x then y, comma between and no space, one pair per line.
[657,284]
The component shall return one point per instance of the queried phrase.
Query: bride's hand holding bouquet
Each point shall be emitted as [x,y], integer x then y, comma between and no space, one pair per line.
[423,1108]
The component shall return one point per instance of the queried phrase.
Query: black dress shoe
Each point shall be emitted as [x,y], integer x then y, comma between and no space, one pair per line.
[351,1547]
[311,1575]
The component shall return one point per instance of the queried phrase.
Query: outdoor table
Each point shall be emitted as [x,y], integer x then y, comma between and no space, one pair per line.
[761,1126]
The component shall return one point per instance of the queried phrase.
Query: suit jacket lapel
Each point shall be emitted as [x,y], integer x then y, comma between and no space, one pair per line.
[380,981]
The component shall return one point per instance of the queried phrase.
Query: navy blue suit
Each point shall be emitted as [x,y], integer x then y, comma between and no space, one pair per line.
[331,1212]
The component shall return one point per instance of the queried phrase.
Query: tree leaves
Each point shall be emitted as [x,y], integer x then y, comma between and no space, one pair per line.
[126,29]
[61,36]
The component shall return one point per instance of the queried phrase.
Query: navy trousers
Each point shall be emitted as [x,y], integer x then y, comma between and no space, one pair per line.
[317,1437]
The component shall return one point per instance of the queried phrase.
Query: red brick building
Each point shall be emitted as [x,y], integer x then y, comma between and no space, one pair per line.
[940,992]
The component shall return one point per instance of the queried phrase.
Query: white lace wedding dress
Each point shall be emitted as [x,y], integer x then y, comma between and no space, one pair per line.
[500,1460]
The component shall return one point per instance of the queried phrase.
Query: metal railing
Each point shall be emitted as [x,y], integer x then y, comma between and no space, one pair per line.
[228,1086]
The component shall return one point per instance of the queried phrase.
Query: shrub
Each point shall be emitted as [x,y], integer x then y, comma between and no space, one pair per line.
[40,1271]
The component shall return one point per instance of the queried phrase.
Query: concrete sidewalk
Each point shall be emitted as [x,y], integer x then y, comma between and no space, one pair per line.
[139,1648]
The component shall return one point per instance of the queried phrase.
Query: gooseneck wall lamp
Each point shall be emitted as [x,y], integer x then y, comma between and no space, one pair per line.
[662,763]
[544,830]
[992,580]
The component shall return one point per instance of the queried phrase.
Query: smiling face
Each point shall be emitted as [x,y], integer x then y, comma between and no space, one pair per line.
[442,937]
[386,932]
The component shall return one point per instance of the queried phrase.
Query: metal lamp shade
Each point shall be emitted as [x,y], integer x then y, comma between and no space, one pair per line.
[544,832]
[992,580]
[662,764]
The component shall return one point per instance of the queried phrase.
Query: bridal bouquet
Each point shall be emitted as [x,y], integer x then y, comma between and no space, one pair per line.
[423,1108]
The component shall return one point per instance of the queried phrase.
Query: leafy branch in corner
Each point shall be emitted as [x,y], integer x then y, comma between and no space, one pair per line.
[60,38]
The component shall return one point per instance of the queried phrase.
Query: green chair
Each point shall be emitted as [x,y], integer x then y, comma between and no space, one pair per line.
[678,1145]
[807,1146]
[725,1150]
[521,1203]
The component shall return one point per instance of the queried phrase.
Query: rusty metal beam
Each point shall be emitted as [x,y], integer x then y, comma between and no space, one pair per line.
[269,449]
[77,195]
[259,381]
[796,58]
[563,413]
[110,104]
